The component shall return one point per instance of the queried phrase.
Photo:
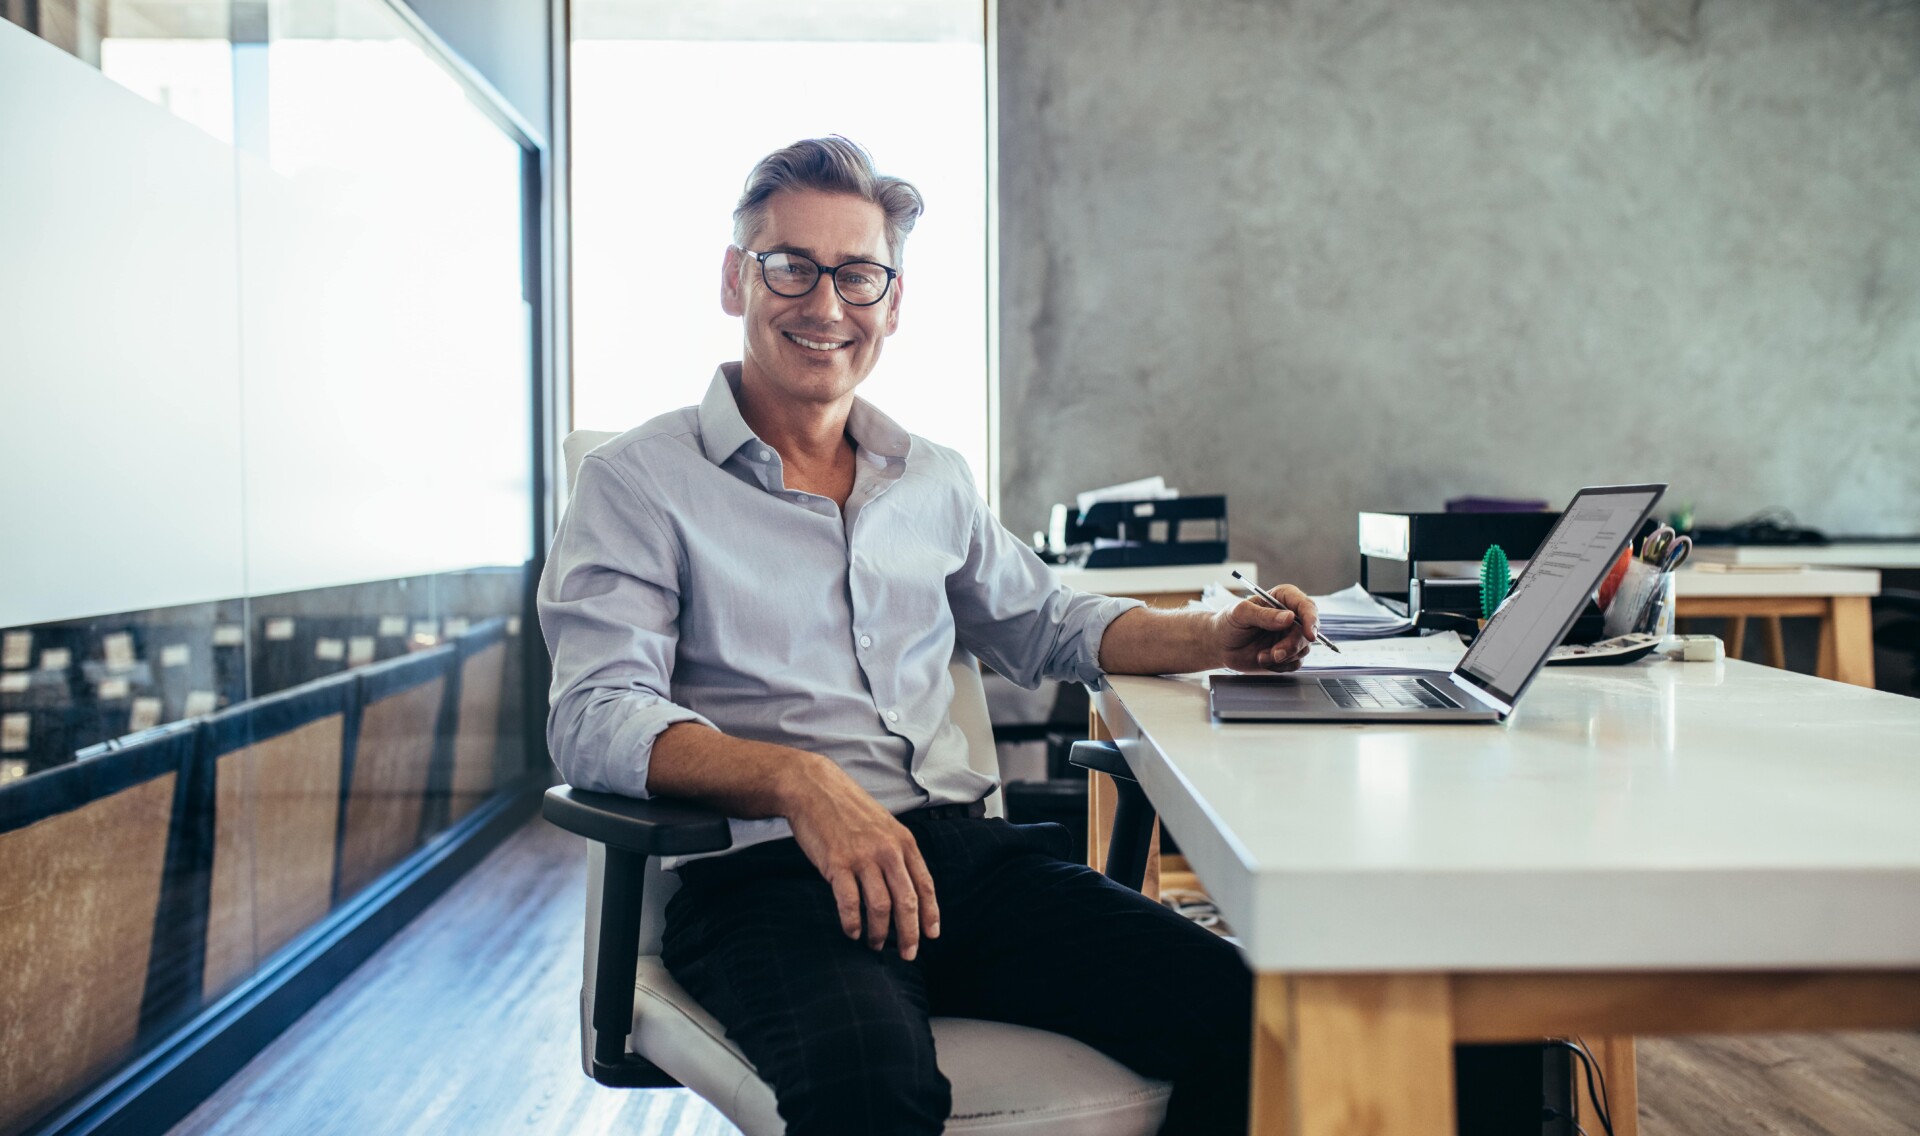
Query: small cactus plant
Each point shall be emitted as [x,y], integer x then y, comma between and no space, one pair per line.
[1495,579]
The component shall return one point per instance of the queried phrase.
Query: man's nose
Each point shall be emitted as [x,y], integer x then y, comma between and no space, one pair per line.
[823,303]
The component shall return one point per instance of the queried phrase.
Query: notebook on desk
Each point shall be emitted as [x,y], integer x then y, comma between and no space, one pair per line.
[1505,656]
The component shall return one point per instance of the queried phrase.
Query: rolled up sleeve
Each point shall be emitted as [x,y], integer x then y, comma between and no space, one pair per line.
[1012,611]
[609,607]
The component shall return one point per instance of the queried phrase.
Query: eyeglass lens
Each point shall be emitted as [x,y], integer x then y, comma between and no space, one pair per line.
[790,274]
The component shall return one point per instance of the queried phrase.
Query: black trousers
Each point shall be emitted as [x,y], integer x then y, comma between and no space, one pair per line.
[1027,936]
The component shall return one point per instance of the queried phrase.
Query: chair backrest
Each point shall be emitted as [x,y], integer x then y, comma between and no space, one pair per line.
[390,764]
[577,445]
[970,714]
[90,848]
[271,776]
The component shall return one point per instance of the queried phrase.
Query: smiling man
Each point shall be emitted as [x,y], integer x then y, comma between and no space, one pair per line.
[752,603]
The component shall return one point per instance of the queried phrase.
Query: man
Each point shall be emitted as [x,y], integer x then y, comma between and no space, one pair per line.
[752,603]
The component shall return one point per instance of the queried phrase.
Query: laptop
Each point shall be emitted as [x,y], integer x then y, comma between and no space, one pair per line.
[1505,656]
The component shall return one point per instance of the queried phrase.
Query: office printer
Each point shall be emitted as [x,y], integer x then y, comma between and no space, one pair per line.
[1139,533]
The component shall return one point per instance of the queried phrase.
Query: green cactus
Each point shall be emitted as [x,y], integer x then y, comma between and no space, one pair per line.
[1495,579]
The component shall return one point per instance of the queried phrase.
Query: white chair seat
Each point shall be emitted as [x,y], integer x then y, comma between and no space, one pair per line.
[1007,1080]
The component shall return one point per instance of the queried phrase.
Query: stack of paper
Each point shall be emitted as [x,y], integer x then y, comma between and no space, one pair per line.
[1344,615]
[1354,614]
[1441,652]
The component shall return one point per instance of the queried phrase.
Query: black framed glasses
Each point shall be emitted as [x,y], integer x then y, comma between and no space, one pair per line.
[860,283]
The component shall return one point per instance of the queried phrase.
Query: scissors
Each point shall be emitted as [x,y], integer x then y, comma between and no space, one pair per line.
[1677,551]
[1653,550]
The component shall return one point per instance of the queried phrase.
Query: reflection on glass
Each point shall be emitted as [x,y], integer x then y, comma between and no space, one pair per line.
[191,78]
[174,53]
[288,319]
[385,329]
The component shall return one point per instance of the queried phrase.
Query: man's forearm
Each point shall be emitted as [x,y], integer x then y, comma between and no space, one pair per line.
[741,778]
[880,882]
[1149,641]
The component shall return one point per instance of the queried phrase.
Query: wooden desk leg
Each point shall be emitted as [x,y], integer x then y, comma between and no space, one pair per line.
[1736,636]
[1846,641]
[1614,1056]
[1776,642]
[1353,1055]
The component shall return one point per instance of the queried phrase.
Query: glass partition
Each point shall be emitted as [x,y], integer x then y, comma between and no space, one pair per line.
[265,301]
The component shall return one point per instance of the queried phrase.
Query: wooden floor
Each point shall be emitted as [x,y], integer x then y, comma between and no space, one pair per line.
[467,1022]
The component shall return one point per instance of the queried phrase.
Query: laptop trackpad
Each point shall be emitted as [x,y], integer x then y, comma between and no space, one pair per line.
[1267,692]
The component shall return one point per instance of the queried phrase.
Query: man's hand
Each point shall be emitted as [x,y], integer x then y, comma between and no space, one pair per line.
[868,857]
[1253,636]
[1249,636]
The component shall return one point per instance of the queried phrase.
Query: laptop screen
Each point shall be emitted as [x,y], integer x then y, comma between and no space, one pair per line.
[1548,596]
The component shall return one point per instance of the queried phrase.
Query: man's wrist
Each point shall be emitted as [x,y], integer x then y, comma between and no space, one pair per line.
[799,779]
[1214,634]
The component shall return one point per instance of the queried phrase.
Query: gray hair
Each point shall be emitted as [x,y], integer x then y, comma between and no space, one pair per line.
[831,165]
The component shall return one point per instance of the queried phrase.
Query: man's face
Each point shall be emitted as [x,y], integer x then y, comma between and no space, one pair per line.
[814,348]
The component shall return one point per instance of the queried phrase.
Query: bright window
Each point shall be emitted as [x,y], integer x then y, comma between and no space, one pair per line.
[664,132]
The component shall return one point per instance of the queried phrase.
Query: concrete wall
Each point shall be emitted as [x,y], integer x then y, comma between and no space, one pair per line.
[1334,255]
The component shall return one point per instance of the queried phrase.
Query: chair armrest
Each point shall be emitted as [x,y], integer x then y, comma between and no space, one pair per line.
[1131,838]
[1101,757]
[651,828]
[632,830]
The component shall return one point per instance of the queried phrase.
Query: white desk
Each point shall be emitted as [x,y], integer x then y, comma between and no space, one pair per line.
[1676,847]
[1170,585]
[1841,554]
[1840,598]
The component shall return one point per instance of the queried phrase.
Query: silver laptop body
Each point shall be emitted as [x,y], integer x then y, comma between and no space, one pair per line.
[1505,657]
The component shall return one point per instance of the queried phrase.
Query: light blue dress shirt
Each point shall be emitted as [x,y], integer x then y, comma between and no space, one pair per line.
[687,583]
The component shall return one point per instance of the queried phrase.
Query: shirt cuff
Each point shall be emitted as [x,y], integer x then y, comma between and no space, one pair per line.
[617,759]
[1088,625]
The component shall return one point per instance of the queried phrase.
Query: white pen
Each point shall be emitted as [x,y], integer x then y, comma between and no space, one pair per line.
[1268,596]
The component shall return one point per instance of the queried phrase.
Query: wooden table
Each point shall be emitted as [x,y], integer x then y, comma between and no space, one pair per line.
[1659,848]
[1840,598]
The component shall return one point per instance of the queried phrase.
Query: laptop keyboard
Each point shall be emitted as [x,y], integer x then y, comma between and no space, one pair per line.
[1385,692]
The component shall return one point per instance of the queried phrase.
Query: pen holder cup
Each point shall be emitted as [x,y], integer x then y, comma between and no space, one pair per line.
[1642,603]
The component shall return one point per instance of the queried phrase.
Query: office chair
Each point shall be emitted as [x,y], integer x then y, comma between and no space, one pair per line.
[639,1029]
[1900,634]
[1131,840]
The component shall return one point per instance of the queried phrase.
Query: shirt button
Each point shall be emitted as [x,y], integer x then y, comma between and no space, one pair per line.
[866,640]
[893,715]
[765,456]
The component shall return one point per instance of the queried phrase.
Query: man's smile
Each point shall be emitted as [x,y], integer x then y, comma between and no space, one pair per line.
[817,344]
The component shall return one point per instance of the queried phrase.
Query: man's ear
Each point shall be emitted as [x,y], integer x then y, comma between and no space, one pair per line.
[733,298]
[893,303]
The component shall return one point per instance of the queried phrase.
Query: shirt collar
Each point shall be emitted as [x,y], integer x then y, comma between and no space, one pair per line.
[723,430]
